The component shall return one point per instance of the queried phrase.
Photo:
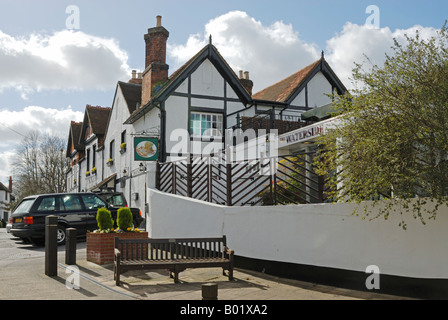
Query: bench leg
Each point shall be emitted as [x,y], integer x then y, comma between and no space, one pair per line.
[174,274]
[229,273]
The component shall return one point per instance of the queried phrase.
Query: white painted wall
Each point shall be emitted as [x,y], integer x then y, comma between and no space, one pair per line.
[207,80]
[300,100]
[318,90]
[319,234]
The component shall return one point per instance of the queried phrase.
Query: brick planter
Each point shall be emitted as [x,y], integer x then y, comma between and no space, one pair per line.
[100,246]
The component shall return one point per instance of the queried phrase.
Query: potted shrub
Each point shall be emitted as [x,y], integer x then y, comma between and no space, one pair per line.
[104,220]
[124,220]
[110,162]
[100,242]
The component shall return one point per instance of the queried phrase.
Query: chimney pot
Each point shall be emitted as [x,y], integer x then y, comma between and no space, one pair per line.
[134,74]
[159,21]
[246,82]
[241,74]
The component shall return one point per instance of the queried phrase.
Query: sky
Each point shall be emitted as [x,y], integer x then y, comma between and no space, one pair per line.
[58,56]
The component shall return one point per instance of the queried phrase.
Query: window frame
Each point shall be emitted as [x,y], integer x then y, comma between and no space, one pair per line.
[216,131]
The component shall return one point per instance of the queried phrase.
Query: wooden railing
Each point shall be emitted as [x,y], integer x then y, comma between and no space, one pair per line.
[269,181]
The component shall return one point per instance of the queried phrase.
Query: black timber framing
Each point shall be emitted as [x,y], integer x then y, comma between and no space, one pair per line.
[329,75]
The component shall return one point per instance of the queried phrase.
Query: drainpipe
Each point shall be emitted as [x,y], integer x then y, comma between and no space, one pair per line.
[162,154]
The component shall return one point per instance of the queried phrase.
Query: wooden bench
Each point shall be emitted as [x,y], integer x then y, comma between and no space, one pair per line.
[175,255]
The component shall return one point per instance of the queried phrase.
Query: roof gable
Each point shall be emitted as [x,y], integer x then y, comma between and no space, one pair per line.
[4,188]
[176,79]
[132,94]
[97,119]
[287,89]
[73,138]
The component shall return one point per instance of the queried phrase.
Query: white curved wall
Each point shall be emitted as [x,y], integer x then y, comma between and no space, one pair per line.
[314,234]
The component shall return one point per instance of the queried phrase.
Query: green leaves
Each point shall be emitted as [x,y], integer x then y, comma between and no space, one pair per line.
[392,141]
[104,219]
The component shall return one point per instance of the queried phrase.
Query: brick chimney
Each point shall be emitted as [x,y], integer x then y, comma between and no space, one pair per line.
[246,82]
[10,183]
[156,69]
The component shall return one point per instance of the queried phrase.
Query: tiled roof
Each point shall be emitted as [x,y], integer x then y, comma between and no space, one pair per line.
[98,117]
[132,94]
[282,91]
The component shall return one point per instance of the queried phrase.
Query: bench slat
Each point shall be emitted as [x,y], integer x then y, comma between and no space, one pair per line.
[173,254]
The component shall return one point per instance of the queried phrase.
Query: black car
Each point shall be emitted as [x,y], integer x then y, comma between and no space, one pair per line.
[116,199]
[74,210]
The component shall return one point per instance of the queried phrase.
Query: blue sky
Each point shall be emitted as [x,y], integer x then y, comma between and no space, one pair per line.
[49,73]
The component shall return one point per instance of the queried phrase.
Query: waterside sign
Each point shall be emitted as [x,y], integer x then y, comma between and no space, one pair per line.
[301,135]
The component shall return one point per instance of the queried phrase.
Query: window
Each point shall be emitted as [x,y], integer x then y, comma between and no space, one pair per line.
[206,124]
[25,206]
[94,156]
[92,201]
[111,149]
[71,203]
[116,200]
[88,160]
[47,204]
[123,137]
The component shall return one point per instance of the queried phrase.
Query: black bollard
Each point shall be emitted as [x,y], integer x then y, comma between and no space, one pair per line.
[70,247]
[210,291]
[51,246]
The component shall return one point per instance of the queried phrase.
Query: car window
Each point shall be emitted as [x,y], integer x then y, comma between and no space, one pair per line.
[47,204]
[92,201]
[116,200]
[70,202]
[24,206]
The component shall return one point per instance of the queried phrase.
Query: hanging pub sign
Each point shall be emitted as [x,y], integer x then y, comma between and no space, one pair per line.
[146,149]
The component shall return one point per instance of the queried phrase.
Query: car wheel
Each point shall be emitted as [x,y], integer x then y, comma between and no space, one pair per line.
[61,235]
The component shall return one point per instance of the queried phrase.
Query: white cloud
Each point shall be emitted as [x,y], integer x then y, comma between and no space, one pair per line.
[354,43]
[269,53]
[67,60]
[15,124]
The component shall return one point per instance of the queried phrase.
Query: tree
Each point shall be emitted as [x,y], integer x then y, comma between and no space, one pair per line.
[39,165]
[391,141]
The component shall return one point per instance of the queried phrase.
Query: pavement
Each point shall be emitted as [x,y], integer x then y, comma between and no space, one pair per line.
[22,277]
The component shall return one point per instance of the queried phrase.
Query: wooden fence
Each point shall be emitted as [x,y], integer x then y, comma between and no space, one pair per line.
[269,181]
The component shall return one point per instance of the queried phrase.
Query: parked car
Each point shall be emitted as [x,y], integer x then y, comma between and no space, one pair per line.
[74,210]
[117,199]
